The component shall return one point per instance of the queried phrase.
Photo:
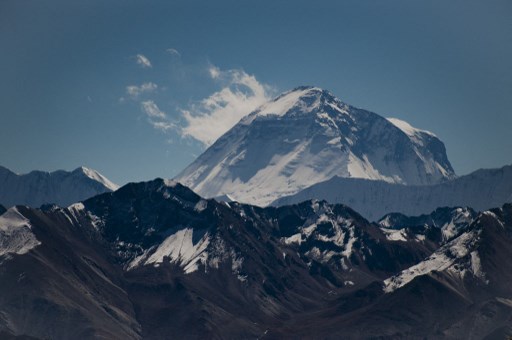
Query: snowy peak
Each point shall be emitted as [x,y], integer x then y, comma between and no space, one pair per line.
[60,187]
[426,144]
[301,100]
[408,129]
[306,136]
[96,176]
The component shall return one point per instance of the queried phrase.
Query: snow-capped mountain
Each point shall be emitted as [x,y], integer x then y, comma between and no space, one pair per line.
[58,187]
[153,259]
[306,136]
[481,190]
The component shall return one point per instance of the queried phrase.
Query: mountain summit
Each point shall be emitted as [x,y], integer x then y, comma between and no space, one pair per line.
[59,187]
[306,136]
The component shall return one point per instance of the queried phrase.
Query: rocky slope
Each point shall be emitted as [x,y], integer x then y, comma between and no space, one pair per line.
[154,259]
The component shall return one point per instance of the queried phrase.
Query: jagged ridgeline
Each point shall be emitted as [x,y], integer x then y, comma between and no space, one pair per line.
[154,259]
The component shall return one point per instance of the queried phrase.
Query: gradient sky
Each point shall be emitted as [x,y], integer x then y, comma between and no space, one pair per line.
[66,68]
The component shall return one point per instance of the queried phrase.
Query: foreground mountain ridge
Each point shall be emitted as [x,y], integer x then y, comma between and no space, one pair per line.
[59,187]
[306,136]
[153,259]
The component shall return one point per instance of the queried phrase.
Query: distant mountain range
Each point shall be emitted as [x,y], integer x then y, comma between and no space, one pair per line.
[153,259]
[305,144]
[58,187]
[307,136]
[481,190]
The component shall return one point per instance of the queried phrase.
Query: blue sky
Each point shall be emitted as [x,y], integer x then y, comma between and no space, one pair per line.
[118,85]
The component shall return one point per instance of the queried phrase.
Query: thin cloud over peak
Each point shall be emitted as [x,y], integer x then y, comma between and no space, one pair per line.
[212,116]
[143,61]
[135,91]
[156,117]
[205,120]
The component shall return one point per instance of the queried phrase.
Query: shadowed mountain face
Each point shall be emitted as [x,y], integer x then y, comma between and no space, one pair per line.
[154,260]
[59,187]
[307,136]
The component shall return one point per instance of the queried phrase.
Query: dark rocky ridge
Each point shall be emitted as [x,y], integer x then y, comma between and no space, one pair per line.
[311,270]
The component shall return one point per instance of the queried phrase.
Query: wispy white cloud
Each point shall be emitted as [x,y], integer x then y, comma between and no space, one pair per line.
[156,117]
[173,52]
[150,108]
[214,72]
[163,125]
[211,117]
[204,121]
[135,91]
[143,61]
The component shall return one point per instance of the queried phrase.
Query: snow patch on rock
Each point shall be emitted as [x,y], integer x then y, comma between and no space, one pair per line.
[201,205]
[179,249]
[16,236]
[394,234]
[458,257]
